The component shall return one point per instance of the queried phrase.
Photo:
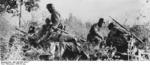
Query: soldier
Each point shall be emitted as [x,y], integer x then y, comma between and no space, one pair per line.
[116,37]
[54,15]
[45,28]
[31,36]
[95,32]
[49,34]
[45,32]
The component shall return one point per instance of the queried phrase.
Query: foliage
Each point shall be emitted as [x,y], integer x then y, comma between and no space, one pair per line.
[10,5]
[141,32]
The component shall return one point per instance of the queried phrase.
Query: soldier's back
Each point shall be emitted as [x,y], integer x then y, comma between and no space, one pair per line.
[116,38]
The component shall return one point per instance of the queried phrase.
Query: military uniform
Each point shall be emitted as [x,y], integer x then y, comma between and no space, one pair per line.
[54,15]
[116,38]
[95,34]
[55,18]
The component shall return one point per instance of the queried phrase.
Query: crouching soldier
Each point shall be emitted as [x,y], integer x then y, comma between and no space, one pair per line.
[116,38]
[95,36]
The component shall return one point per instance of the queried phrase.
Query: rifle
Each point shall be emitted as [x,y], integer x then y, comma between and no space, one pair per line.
[25,33]
[66,32]
[60,30]
[127,30]
[22,31]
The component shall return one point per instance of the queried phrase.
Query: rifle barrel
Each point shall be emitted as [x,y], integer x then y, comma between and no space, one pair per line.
[21,31]
[127,30]
[68,33]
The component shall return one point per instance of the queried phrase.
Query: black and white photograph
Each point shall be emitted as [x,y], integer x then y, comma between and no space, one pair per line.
[74,30]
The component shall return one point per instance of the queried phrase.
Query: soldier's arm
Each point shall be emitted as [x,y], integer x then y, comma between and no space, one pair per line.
[97,32]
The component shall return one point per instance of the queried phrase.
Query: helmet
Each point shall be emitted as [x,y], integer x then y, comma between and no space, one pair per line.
[101,20]
[50,7]
[47,21]
[111,25]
